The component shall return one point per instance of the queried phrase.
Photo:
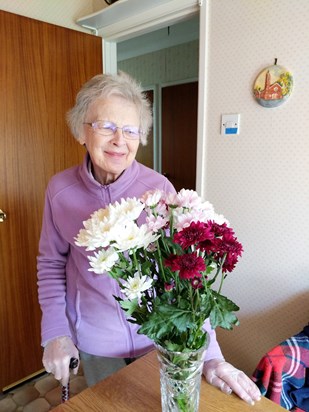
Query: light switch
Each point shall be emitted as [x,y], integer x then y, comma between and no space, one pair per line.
[230,124]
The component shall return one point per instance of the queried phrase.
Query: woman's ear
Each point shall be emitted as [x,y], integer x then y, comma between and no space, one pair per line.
[82,141]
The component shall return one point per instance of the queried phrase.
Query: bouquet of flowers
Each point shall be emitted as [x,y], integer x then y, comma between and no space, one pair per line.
[171,268]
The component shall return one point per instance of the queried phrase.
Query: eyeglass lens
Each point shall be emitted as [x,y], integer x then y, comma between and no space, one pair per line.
[109,128]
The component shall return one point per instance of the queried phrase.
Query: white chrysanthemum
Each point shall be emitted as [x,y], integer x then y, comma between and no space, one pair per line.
[134,287]
[82,238]
[100,215]
[152,197]
[96,234]
[132,236]
[126,210]
[103,261]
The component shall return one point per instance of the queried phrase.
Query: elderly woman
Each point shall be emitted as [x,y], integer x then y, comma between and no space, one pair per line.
[80,317]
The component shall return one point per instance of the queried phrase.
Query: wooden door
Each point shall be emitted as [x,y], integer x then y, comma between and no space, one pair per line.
[179,134]
[42,67]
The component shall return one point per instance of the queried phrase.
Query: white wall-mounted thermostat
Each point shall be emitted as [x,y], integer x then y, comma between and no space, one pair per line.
[230,124]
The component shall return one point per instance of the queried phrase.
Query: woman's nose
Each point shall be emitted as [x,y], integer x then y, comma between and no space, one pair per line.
[118,137]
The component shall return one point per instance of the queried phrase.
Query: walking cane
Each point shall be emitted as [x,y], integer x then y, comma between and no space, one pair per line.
[65,392]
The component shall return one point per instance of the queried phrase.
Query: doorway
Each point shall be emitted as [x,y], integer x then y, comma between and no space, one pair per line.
[179,134]
[164,61]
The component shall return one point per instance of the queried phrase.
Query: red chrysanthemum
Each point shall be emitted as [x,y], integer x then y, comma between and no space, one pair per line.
[196,283]
[193,234]
[229,246]
[189,265]
[220,230]
[223,243]
[233,250]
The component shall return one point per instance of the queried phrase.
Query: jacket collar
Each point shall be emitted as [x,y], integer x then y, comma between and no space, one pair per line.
[117,187]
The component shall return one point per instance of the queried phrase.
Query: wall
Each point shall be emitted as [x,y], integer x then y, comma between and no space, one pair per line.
[172,64]
[59,12]
[260,179]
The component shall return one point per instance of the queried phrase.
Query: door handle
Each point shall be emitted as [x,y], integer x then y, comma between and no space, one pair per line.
[2,216]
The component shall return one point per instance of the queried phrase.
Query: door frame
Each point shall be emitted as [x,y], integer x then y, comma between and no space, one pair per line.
[146,23]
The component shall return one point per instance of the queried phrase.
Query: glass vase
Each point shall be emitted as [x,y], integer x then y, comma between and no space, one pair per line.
[180,379]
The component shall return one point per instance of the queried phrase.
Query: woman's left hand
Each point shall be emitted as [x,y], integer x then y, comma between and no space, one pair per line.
[229,379]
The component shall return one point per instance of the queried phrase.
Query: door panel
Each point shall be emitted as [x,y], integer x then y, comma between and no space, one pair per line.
[42,67]
[179,134]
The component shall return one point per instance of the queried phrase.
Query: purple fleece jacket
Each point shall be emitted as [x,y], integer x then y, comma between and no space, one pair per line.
[74,301]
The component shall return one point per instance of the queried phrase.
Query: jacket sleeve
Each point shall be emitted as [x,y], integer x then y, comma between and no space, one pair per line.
[51,264]
[213,351]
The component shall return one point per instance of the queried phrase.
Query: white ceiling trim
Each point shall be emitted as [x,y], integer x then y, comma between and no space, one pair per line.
[128,18]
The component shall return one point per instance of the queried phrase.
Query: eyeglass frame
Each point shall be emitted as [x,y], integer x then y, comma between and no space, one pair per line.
[113,127]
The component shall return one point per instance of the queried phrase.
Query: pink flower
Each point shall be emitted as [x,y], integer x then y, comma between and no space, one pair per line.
[189,265]
[188,198]
[170,198]
[152,197]
[155,223]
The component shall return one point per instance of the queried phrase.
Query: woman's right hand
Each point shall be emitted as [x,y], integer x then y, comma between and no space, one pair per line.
[57,356]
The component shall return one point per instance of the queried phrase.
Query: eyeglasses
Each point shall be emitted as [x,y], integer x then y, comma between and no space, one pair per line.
[105,128]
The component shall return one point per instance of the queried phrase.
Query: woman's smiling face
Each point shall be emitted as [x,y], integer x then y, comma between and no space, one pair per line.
[111,155]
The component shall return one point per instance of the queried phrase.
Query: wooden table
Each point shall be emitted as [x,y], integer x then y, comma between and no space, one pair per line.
[136,388]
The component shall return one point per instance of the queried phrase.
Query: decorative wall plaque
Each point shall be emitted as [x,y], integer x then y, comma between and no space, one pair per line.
[273,86]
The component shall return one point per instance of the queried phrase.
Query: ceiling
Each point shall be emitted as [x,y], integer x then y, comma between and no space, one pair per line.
[170,36]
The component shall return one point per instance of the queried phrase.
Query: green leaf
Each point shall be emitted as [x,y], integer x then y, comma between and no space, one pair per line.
[222,312]
[130,306]
[181,319]
[156,327]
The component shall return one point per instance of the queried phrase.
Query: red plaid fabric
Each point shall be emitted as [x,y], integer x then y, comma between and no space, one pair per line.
[282,375]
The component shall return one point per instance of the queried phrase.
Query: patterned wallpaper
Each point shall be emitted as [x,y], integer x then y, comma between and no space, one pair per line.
[260,179]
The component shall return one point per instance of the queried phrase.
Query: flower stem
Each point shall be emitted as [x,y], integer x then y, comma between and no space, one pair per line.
[160,261]
[137,266]
[222,276]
